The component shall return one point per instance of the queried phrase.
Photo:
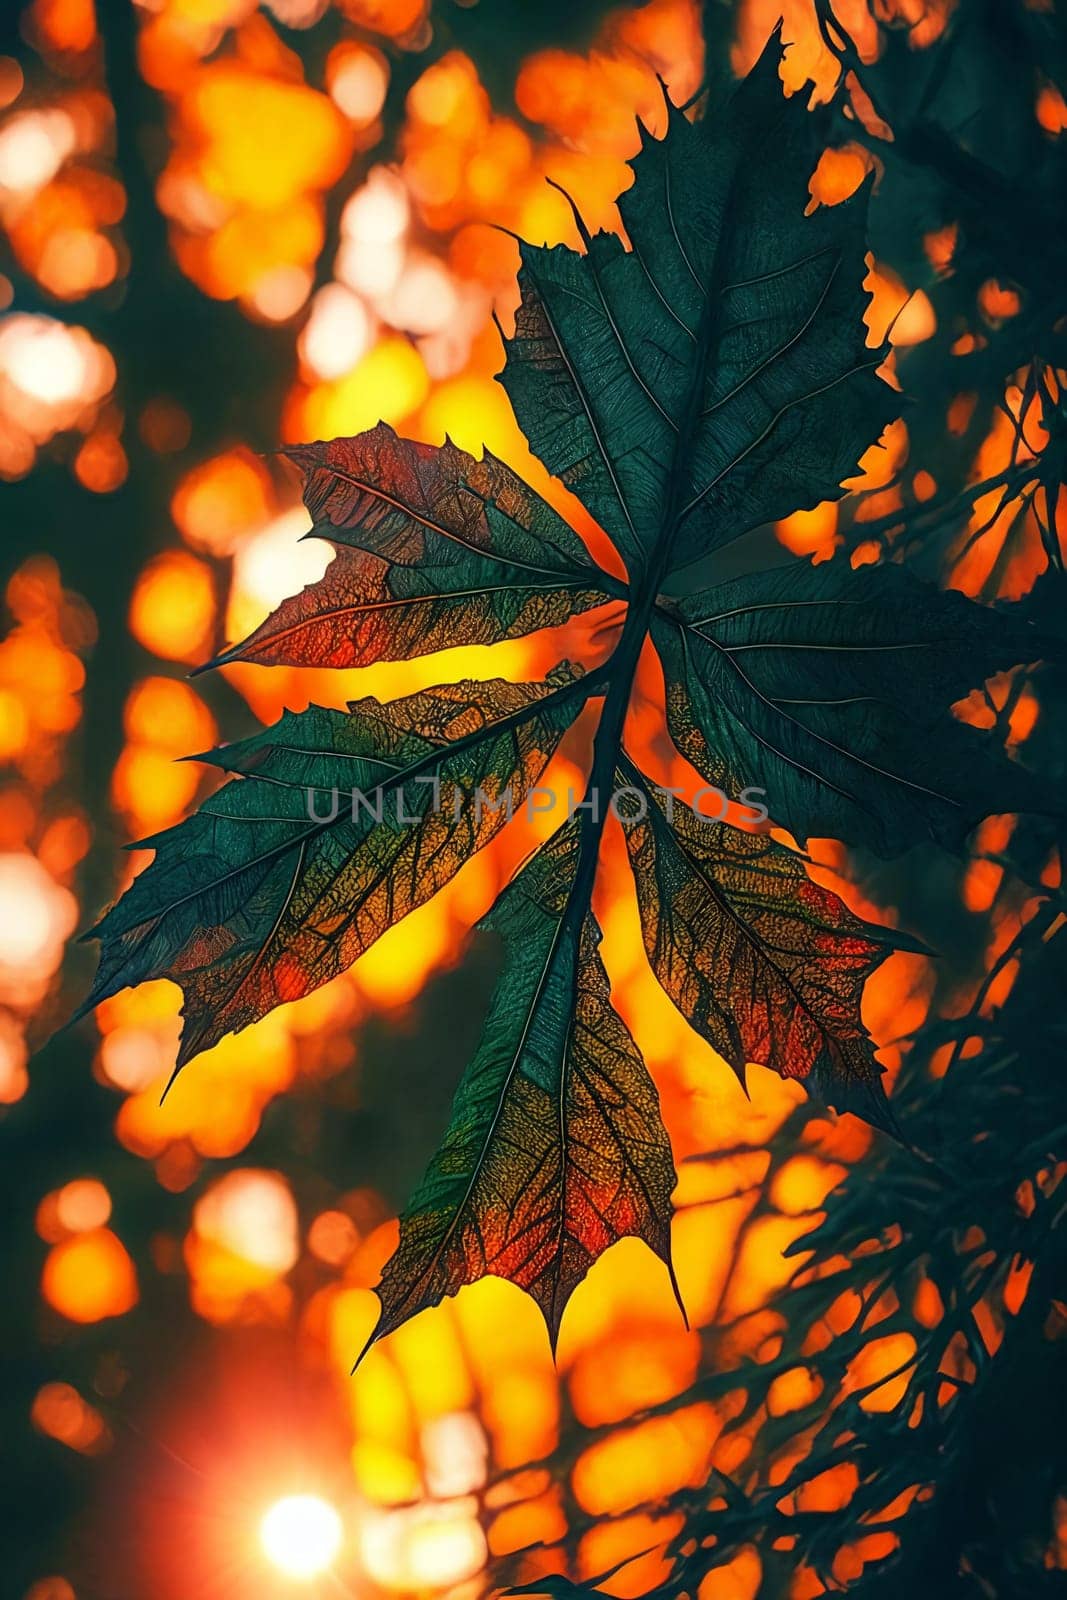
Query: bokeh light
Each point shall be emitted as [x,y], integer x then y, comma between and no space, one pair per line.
[302,1535]
[90,1276]
[36,917]
[337,333]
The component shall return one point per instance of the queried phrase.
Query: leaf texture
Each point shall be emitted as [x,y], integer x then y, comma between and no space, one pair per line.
[831,689]
[254,901]
[555,1148]
[433,549]
[764,964]
[707,377]
[715,375]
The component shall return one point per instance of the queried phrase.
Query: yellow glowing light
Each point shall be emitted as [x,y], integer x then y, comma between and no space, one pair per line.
[83,1204]
[49,374]
[221,501]
[264,141]
[301,1534]
[279,562]
[253,1215]
[370,267]
[133,1058]
[173,606]
[377,213]
[33,147]
[43,359]
[36,916]
[338,332]
[388,385]
[423,299]
[280,292]
[358,80]
[429,1544]
[89,1277]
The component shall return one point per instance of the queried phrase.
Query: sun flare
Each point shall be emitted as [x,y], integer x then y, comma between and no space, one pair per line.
[301,1534]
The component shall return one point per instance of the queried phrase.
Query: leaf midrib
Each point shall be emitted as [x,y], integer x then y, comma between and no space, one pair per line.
[378,493]
[443,596]
[721,899]
[586,684]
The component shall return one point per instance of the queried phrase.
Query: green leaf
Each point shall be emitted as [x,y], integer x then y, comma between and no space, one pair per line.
[555,1148]
[714,376]
[764,964]
[433,549]
[281,879]
[710,376]
[831,690]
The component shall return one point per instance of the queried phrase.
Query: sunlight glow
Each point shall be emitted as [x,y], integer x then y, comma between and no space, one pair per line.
[301,1534]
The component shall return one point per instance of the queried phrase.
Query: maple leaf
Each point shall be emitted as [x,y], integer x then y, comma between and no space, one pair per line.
[707,377]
